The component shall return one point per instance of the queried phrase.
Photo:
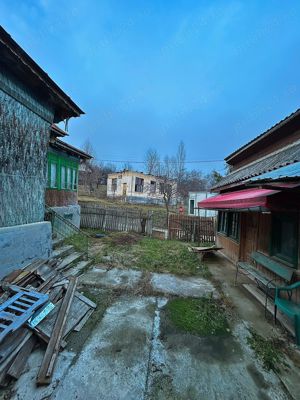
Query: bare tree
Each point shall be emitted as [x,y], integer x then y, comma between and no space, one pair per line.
[89,149]
[168,187]
[152,162]
[180,162]
[213,178]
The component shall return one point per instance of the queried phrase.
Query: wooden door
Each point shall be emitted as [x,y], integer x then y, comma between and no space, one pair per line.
[249,232]
[124,189]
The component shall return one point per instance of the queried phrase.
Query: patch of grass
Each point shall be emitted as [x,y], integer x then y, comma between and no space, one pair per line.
[80,242]
[168,256]
[267,350]
[123,249]
[203,317]
[122,239]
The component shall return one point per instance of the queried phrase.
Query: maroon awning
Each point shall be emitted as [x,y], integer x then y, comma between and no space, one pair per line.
[242,199]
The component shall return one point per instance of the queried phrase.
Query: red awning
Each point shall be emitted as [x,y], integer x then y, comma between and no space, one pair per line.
[242,199]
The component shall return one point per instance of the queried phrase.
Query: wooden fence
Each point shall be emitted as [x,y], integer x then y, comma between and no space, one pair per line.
[106,219]
[192,229]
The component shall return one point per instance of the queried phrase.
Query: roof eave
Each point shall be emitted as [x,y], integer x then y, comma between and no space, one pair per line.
[64,106]
[262,136]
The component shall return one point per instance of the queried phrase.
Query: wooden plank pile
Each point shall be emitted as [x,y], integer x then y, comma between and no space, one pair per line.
[39,305]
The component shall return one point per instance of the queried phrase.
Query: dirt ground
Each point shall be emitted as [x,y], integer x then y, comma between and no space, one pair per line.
[133,348]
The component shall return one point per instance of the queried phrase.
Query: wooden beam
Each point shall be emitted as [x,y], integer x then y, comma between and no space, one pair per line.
[48,363]
[18,365]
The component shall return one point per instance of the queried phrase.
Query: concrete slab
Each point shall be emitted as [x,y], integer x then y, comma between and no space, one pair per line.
[114,278]
[25,387]
[251,311]
[114,363]
[210,368]
[187,287]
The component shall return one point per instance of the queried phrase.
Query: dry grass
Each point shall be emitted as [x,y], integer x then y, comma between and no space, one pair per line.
[130,250]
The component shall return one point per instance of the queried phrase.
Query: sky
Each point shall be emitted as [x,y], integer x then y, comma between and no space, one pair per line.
[213,74]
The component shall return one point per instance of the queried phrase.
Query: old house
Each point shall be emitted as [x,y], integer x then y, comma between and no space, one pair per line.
[259,200]
[259,207]
[137,187]
[62,176]
[30,102]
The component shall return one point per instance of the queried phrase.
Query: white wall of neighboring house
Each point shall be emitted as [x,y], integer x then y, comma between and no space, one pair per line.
[125,185]
[194,198]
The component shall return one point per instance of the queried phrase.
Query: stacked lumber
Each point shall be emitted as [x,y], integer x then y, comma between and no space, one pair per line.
[39,306]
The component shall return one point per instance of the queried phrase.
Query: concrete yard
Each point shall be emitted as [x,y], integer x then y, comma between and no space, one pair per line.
[131,351]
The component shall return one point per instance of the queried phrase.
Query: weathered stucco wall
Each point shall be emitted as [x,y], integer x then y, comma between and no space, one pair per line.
[20,245]
[71,213]
[24,138]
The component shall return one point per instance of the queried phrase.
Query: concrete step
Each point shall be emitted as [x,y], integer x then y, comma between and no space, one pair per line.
[62,251]
[76,269]
[70,260]
[57,243]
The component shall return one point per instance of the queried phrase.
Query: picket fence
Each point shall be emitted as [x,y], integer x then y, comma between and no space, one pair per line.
[192,228]
[106,219]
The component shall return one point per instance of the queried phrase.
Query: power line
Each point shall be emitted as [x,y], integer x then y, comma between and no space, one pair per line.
[162,162]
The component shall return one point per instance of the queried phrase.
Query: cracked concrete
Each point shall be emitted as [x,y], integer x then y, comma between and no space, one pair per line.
[186,287]
[114,363]
[134,353]
[114,278]
[164,283]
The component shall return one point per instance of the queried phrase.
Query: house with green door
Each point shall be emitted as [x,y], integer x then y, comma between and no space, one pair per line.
[30,103]
[62,176]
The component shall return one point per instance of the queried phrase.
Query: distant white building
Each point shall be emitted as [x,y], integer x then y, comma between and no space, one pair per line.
[137,187]
[194,198]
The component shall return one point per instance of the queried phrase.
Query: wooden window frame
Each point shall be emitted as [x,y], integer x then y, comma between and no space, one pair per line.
[114,184]
[229,224]
[152,187]
[61,162]
[277,219]
[192,211]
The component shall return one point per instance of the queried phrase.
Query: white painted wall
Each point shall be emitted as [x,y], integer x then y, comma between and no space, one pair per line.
[199,196]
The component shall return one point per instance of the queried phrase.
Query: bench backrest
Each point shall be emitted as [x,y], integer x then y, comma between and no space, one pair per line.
[284,272]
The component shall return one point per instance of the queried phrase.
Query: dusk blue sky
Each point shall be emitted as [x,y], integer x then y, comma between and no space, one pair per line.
[151,73]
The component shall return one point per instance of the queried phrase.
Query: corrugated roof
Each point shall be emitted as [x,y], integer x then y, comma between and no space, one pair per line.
[264,134]
[288,155]
[287,172]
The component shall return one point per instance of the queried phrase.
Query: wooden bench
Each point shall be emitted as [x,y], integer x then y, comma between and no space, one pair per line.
[288,306]
[265,282]
[202,251]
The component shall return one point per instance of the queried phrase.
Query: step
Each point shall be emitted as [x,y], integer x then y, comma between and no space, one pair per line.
[69,260]
[76,269]
[62,251]
[261,298]
[57,243]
